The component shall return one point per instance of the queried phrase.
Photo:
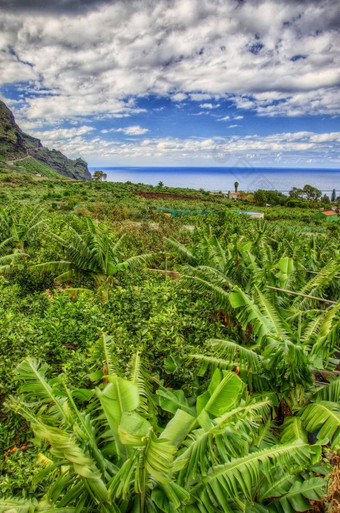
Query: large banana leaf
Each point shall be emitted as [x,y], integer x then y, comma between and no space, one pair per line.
[36,386]
[118,397]
[236,479]
[294,494]
[222,395]
[324,417]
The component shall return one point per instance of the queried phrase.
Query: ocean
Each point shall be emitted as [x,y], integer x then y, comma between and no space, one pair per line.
[222,179]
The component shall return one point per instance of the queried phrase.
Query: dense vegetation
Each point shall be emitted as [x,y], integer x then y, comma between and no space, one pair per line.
[124,390]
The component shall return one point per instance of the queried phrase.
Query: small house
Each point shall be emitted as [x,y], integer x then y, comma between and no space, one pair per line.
[234,195]
[327,215]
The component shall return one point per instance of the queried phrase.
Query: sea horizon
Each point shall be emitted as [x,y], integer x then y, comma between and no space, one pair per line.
[223,178]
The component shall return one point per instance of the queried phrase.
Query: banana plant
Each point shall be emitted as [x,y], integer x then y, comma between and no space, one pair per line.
[293,340]
[107,458]
[19,226]
[101,452]
[11,261]
[315,409]
[91,252]
[210,266]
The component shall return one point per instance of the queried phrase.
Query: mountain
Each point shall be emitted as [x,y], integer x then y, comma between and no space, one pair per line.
[15,145]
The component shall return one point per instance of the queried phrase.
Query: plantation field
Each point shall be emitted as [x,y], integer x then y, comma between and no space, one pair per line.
[124,390]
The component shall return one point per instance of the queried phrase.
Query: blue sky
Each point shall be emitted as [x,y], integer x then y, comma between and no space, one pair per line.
[190,82]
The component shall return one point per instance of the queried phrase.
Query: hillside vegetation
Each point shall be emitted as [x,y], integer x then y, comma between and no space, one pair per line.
[15,145]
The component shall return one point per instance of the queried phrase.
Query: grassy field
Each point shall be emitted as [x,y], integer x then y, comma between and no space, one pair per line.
[27,166]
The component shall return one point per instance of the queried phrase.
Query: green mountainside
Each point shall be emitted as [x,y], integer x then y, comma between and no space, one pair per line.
[20,152]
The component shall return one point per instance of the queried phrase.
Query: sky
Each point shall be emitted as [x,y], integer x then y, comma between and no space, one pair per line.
[176,82]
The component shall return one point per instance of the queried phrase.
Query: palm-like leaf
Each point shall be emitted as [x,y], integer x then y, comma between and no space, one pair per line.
[18,226]
[37,387]
[181,249]
[295,494]
[324,417]
[104,351]
[108,457]
[231,351]
[238,476]
[10,262]
[317,285]
[91,252]
[140,376]
[329,392]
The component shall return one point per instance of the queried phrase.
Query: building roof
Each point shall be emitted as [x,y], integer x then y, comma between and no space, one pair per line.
[329,212]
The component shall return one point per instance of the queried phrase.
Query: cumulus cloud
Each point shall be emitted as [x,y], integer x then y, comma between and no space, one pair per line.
[209,106]
[59,134]
[241,150]
[95,58]
[129,130]
[179,97]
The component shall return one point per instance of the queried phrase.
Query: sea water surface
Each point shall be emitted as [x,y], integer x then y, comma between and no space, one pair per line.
[223,178]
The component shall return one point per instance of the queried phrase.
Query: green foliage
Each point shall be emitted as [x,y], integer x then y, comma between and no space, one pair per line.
[33,166]
[198,394]
[109,456]
[92,253]
[99,175]
[262,197]
[308,192]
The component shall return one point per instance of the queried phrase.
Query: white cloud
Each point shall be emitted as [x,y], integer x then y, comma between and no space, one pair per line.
[229,118]
[331,137]
[129,130]
[179,97]
[198,97]
[322,101]
[276,58]
[51,136]
[133,130]
[241,150]
[209,105]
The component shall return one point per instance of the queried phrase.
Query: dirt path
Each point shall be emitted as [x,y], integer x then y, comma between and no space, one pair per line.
[11,162]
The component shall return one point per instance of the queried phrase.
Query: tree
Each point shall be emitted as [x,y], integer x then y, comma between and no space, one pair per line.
[275,198]
[308,192]
[296,193]
[325,199]
[160,184]
[311,193]
[236,184]
[260,197]
[333,198]
[99,175]
[18,229]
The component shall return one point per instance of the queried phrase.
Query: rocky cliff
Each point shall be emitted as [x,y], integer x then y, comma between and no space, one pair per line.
[15,144]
